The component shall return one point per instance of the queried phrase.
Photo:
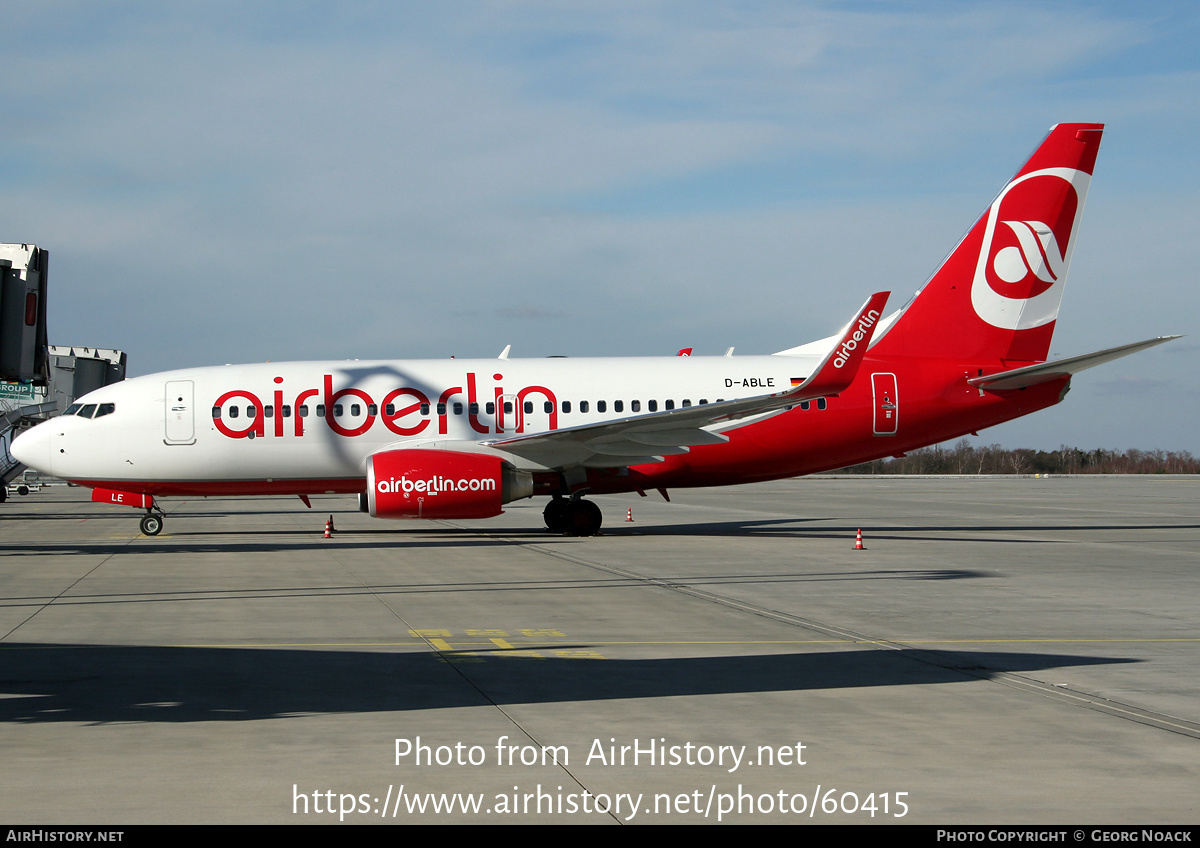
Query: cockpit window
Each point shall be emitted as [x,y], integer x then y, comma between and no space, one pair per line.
[91,410]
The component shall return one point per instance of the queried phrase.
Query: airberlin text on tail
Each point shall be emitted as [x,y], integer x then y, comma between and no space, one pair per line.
[996,297]
[849,344]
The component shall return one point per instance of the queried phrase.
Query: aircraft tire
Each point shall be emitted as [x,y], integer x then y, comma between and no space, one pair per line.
[555,515]
[151,525]
[585,518]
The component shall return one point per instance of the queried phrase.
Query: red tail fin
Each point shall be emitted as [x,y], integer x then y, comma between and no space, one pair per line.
[996,296]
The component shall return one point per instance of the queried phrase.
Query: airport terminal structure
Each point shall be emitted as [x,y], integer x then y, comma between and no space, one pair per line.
[38,380]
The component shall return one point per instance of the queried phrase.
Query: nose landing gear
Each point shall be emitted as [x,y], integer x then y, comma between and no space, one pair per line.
[151,524]
[152,521]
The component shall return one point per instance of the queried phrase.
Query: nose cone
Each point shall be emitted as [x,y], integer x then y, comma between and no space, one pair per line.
[32,448]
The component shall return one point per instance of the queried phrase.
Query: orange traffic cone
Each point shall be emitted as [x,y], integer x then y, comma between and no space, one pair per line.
[629,514]
[327,535]
[858,545]
[329,524]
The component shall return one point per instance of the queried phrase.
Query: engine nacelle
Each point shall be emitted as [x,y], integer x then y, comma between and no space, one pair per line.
[420,483]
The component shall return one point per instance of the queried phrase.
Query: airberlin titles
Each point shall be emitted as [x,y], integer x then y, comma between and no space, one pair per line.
[865,322]
[405,411]
[397,405]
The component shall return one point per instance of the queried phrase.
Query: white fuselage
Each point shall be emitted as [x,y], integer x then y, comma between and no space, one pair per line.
[316,421]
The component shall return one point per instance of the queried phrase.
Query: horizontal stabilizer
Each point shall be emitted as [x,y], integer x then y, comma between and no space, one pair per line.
[1032,375]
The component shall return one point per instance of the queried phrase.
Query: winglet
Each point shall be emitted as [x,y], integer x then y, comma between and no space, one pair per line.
[839,367]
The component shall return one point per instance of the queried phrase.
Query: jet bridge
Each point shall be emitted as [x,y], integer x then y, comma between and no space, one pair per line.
[38,380]
[24,361]
[23,355]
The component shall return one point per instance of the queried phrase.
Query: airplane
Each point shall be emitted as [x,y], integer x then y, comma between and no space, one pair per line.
[455,439]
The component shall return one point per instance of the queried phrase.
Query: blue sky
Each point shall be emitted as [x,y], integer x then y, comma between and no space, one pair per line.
[239,182]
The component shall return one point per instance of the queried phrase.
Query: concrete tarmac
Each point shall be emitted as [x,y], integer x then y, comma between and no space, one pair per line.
[1005,650]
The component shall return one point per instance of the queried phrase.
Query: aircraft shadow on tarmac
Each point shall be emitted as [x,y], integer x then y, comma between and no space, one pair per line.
[104,683]
[571,584]
[407,535]
[787,528]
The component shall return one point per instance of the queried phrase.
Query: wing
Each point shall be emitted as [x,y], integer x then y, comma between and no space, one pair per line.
[641,439]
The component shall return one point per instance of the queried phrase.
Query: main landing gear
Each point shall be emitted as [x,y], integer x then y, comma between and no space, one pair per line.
[574,517]
[152,523]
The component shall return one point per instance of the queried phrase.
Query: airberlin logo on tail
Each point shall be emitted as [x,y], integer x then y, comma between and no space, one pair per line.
[865,322]
[1027,241]
[1037,253]
[434,485]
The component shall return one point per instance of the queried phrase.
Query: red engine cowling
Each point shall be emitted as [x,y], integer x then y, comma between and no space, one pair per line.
[420,483]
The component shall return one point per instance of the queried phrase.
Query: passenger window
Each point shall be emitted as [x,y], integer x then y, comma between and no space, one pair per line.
[635,406]
[548,407]
[216,411]
[441,408]
[821,403]
[320,410]
[652,405]
[233,412]
[804,405]
[302,410]
[566,406]
[602,406]
[268,411]
[528,407]
[372,409]
[458,409]
[251,412]
[508,407]
[474,408]
[583,406]
[390,409]
[490,408]
[286,409]
[355,409]
[687,402]
[337,410]
[703,401]
[618,406]
[670,404]
[424,409]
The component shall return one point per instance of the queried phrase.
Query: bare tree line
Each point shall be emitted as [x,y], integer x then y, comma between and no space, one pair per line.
[964,458]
